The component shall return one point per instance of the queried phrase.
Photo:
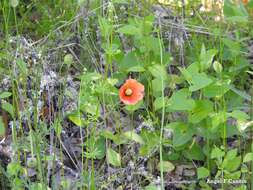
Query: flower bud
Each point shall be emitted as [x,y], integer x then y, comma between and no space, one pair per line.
[217,67]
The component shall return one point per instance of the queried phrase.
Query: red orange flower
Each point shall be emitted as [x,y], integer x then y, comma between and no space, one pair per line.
[131,92]
[245,2]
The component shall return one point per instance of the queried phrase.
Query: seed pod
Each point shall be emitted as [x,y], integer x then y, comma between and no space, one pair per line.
[217,67]
[68,59]
[14,3]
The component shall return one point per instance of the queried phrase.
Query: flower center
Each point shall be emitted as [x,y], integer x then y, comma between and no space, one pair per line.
[128,92]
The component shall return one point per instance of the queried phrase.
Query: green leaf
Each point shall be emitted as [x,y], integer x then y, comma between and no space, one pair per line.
[180,101]
[231,131]
[132,108]
[194,153]
[22,66]
[151,142]
[233,46]
[231,154]
[199,81]
[203,172]
[2,127]
[9,108]
[14,168]
[131,135]
[75,117]
[217,89]
[113,157]
[240,65]
[240,93]
[158,71]
[186,74]
[117,139]
[151,44]
[218,118]
[108,134]
[250,4]
[233,164]
[193,68]
[130,63]
[129,30]
[137,68]
[167,166]
[239,115]
[235,12]
[190,71]
[91,76]
[100,148]
[248,157]
[111,49]
[160,102]
[234,175]
[5,95]
[206,58]
[202,109]
[182,133]
[157,85]
[217,153]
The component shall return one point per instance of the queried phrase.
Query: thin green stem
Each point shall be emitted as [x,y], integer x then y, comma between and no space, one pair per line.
[251,118]
[16,22]
[163,115]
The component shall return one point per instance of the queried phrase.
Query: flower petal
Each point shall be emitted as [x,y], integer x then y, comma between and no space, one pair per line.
[137,89]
